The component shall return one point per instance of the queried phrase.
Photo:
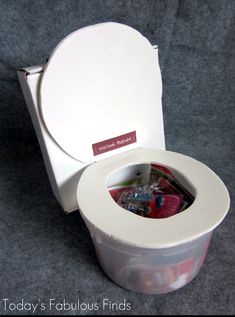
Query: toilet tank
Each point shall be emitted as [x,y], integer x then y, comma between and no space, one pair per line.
[63,169]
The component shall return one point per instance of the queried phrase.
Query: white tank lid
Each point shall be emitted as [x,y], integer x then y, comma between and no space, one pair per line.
[101,92]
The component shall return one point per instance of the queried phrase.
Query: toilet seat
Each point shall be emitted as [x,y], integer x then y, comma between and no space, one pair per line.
[103,213]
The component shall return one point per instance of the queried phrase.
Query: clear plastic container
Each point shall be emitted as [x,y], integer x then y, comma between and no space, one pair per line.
[150,271]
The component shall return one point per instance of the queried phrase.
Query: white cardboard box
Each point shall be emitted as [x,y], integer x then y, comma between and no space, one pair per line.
[63,170]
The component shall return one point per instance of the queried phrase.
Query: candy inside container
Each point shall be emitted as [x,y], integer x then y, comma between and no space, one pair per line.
[160,195]
[152,191]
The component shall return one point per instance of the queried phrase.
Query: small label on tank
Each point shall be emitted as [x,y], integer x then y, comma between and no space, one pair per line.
[114,143]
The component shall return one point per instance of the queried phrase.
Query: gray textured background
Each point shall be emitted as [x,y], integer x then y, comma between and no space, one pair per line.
[46,254]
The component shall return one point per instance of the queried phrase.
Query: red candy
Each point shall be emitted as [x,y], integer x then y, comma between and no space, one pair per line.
[162,197]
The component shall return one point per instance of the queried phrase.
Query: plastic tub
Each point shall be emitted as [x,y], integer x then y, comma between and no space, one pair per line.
[150,271]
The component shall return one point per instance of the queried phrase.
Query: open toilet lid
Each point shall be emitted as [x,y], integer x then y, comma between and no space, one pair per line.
[101,91]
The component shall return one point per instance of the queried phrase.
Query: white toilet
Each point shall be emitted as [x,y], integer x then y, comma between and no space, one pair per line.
[96,108]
